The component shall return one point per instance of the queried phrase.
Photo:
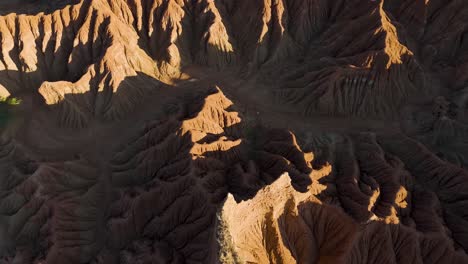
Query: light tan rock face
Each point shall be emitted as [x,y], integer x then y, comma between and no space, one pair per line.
[234,131]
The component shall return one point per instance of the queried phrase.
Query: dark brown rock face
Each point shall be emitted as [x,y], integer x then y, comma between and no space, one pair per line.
[234,131]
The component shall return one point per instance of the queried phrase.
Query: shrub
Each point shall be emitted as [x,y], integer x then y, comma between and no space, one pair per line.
[6,106]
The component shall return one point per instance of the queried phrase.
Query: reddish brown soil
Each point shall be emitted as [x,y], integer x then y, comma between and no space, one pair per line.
[234,131]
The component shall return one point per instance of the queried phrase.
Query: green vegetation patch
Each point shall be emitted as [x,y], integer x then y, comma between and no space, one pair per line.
[6,109]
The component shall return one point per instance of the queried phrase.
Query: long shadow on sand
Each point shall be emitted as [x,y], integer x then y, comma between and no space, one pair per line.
[33,7]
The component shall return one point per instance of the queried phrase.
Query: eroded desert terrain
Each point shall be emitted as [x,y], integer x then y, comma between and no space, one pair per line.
[234,131]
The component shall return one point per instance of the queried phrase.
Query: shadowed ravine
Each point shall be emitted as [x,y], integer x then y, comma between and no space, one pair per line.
[243,131]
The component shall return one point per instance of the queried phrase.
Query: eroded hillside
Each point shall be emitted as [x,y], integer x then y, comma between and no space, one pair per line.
[234,131]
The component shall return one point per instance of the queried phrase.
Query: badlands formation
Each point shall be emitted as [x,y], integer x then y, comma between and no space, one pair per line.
[234,131]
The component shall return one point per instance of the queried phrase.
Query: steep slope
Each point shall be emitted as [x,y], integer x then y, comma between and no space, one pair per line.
[403,213]
[103,42]
[80,49]
[234,131]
